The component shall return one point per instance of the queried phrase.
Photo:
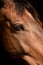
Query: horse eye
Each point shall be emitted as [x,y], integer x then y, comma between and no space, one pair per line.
[17,27]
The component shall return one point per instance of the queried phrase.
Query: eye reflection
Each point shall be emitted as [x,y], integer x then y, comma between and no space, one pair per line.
[17,27]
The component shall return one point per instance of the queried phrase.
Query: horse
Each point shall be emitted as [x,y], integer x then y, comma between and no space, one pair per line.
[21,33]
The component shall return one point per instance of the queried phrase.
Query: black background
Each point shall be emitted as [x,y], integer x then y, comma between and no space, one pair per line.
[38,5]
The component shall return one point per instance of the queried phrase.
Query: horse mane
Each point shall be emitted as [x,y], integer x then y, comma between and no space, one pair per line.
[21,5]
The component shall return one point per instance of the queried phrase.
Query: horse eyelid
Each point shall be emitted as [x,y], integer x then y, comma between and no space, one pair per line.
[16,26]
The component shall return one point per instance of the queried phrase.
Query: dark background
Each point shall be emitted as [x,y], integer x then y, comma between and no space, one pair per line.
[38,5]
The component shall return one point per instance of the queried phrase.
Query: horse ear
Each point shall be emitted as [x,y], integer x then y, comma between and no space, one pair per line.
[1,3]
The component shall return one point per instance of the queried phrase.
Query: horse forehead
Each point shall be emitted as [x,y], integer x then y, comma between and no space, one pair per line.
[11,13]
